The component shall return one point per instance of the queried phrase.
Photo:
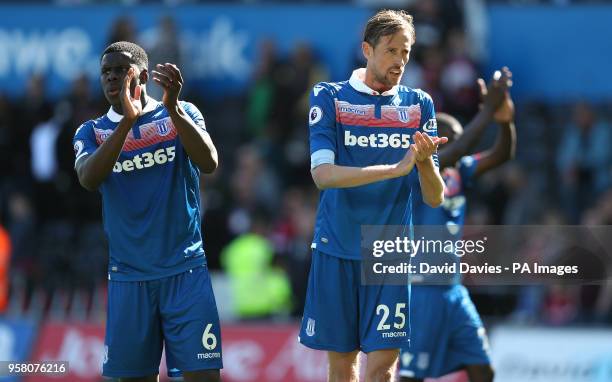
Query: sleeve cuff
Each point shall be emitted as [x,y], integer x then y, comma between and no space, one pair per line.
[322,156]
[81,156]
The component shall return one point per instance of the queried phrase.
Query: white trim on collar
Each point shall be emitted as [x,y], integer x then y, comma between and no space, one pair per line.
[116,117]
[357,82]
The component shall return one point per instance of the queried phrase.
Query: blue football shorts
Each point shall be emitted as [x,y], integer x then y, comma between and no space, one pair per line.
[178,312]
[446,333]
[342,315]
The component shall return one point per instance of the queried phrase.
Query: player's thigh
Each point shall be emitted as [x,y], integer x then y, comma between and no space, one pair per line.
[133,339]
[430,329]
[330,320]
[202,376]
[190,322]
[469,344]
[150,378]
[383,317]
[480,373]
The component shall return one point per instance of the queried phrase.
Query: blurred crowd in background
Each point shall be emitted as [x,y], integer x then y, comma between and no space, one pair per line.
[388,3]
[259,206]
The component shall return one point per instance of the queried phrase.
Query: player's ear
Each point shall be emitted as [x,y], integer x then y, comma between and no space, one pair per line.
[367,50]
[144,76]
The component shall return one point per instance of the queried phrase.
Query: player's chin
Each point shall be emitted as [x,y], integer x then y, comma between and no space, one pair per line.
[112,99]
[394,78]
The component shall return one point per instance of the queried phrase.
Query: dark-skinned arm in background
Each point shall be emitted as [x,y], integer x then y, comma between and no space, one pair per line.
[505,144]
[492,99]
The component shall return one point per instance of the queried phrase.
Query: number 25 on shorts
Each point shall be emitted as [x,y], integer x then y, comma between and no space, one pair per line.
[400,317]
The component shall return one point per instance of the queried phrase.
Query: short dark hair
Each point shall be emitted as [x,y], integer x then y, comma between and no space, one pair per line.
[139,56]
[387,22]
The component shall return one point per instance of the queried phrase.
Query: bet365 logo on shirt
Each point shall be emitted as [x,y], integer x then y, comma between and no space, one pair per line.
[380,140]
[146,160]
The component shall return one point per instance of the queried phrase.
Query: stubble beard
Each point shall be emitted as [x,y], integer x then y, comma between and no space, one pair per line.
[382,78]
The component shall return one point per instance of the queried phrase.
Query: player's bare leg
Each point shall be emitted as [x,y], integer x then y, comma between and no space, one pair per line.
[202,376]
[150,378]
[480,373]
[343,367]
[381,365]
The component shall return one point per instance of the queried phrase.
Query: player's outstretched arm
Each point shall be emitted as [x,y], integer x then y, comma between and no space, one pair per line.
[492,97]
[505,144]
[432,184]
[333,176]
[93,169]
[196,141]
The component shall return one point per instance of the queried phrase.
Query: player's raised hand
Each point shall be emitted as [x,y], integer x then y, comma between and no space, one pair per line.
[131,106]
[169,77]
[425,146]
[495,93]
[505,112]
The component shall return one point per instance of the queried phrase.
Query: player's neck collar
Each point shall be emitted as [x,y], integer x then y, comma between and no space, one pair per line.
[357,81]
[116,117]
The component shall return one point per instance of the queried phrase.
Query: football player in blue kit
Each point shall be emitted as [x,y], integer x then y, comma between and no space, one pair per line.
[366,135]
[447,333]
[145,158]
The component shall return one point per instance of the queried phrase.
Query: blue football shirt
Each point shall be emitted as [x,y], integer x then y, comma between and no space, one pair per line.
[353,125]
[452,211]
[448,219]
[151,199]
